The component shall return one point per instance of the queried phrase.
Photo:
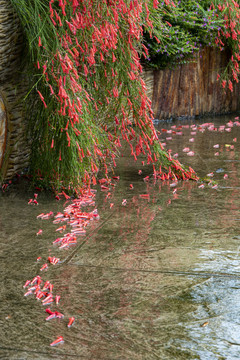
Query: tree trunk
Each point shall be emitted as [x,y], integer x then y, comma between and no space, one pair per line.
[14,146]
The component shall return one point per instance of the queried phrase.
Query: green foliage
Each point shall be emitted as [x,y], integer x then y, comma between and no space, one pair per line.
[180,31]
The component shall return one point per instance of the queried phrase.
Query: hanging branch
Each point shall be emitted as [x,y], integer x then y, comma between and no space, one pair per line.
[87,73]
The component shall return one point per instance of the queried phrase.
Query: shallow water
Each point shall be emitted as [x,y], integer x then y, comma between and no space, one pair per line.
[156,279]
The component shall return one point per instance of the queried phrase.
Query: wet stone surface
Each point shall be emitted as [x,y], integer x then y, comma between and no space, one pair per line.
[157,278]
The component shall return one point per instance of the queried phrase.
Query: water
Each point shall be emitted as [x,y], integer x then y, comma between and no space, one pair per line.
[156,279]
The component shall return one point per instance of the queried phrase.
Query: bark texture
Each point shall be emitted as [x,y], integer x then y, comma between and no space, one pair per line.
[14,145]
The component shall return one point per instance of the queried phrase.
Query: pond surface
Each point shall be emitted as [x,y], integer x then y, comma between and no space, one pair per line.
[158,278]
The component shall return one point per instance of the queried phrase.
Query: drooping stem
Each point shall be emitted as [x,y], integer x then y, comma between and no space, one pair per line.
[86,69]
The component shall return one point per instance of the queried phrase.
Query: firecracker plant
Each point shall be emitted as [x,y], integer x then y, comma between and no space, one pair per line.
[83,59]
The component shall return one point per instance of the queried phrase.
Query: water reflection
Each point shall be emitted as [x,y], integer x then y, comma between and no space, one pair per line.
[143,285]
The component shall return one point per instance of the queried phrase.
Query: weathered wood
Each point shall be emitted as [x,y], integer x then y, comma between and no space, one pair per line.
[192,89]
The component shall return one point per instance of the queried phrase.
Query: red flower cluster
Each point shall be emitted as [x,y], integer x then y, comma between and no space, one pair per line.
[229,36]
[95,80]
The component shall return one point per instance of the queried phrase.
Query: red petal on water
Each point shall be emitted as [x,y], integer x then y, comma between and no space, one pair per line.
[124,202]
[58,341]
[71,322]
